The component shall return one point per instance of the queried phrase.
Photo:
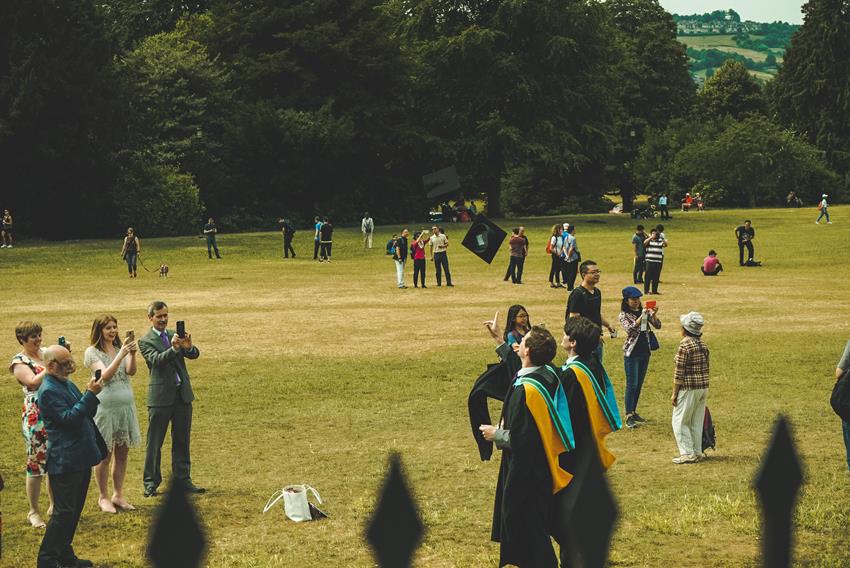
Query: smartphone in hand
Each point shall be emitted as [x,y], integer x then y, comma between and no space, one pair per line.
[97,375]
[130,336]
[181,329]
[62,342]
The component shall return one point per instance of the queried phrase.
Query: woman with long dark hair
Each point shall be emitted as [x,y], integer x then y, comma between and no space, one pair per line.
[130,251]
[518,324]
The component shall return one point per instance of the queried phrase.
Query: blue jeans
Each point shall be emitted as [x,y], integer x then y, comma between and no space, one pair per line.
[846,428]
[636,367]
[824,213]
[599,351]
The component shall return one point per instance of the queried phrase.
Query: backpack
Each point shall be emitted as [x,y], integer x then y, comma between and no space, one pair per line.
[391,246]
[840,399]
[549,246]
[709,437]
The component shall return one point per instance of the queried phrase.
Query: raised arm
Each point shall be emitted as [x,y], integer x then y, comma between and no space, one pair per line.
[24,375]
[156,359]
[67,417]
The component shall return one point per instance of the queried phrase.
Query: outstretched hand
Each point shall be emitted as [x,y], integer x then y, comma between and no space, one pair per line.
[493,327]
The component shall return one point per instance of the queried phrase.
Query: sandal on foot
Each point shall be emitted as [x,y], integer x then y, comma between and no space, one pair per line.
[36,521]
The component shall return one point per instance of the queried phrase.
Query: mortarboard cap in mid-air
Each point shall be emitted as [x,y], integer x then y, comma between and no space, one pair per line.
[484,238]
[440,183]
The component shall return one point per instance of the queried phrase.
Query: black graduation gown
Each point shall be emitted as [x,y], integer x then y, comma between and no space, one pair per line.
[493,383]
[522,510]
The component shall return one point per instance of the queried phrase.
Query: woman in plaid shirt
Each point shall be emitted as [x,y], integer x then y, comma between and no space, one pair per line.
[690,389]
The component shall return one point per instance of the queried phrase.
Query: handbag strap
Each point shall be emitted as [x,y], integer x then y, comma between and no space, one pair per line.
[313,490]
[276,496]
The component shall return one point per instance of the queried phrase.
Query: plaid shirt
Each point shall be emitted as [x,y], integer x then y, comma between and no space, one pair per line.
[691,361]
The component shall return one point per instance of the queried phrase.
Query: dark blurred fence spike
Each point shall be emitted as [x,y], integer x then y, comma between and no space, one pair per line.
[395,530]
[777,483]
[177,538]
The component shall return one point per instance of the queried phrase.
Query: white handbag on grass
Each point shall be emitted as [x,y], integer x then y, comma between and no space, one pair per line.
[296,505]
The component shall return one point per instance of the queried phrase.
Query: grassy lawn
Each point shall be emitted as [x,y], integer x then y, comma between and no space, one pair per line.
[315,372]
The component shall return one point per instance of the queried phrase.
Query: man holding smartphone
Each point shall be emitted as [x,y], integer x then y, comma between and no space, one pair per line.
[170,398]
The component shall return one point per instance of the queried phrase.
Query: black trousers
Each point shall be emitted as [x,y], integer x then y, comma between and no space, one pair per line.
[69,496]
[652,276]
[640,267]
[555,270]
[287,247]
[570,273]
[515,269]
[326,251]
[717,270]
[180,416]
[211,245]
[419,270]
[750,251]
[315,249]
[665,213]
[441,262]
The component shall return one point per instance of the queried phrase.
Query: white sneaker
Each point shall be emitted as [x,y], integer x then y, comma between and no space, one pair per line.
[828,223]
[817,222]
[2,246]
[685,458]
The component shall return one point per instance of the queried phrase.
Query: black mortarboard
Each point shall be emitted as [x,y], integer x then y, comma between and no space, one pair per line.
[442,182]
[484,238]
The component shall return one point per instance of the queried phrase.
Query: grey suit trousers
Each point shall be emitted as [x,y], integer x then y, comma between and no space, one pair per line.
[180,416]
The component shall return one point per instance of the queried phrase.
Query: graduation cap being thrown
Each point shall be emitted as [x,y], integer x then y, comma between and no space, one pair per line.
[484,238]
[441,183]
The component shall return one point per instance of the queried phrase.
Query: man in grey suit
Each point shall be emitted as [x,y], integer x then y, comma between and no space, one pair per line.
[170,399]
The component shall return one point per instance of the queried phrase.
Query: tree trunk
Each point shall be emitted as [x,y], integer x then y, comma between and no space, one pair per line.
[493,189]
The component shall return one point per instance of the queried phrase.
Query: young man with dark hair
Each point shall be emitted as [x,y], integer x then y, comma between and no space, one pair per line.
[439,244]
[571,257]
[745,234]
[586,300]
[711,264]
[639,254]
[399,249]
[210,231]
[535,435]
[317,238]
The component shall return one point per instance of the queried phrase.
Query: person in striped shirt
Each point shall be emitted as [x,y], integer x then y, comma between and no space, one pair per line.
[654,259]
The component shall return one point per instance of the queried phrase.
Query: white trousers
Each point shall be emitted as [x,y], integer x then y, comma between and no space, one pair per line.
[688,416]
[399,271]
[367,240]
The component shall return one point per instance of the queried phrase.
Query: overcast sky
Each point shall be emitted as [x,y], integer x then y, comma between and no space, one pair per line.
[755,10]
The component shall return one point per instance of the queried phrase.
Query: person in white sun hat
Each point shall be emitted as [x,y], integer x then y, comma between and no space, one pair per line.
[690,389]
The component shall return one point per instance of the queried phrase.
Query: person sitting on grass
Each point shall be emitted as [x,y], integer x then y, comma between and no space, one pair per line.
[711,264]
[535,435]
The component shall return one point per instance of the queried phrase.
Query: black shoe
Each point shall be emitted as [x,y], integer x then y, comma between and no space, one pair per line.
[638,418]
[75,563]
[192,488]
[424,286]
[630,422]
[450,285]
[150,492]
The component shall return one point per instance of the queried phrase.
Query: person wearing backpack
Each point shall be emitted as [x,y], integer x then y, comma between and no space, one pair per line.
[823,207]
[367,227]
[844,365]
[400,256]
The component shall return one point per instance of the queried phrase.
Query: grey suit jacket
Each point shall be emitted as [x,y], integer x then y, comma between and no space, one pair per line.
[164,364]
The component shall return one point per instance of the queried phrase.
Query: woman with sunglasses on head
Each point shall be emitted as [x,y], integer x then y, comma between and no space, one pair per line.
[28,369]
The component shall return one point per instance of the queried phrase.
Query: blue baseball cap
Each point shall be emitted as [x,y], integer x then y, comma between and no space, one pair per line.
[631,292]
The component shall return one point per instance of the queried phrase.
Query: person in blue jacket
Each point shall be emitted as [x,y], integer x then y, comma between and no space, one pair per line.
[74,447]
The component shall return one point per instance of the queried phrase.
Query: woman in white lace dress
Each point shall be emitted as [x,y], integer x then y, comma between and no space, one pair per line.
[116,413]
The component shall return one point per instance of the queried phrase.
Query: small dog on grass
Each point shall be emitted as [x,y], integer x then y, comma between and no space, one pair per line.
[163,270]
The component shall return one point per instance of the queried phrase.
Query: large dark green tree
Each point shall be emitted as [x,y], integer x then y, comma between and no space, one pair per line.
[812,91]
[323,90]
[731,91]
[654,83]
[518,92]
[56,116]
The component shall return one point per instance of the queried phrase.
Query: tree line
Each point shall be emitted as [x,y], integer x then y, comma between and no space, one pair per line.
[154,114]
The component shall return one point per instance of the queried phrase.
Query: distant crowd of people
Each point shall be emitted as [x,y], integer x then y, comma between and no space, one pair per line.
[69,432]
[433,246]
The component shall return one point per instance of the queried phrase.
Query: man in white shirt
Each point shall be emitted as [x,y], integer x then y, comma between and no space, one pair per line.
[438,243]
[367,227]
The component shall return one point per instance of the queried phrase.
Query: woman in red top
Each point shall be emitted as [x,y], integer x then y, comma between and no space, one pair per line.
[417,249]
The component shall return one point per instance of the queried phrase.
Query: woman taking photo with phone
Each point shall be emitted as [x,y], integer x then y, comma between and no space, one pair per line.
[637,347]
[130,251]
[29,370]
[116,413]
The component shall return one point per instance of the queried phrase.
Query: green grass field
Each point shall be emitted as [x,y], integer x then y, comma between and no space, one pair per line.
[315,372]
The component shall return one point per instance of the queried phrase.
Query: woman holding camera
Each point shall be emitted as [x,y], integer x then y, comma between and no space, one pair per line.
[636,322]
[116,414]
[28,369]
[130,251]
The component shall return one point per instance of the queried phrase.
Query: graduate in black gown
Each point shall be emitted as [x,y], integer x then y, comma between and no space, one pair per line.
[534,434]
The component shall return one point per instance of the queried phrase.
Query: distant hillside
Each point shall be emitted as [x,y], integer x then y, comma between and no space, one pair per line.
[714,37]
